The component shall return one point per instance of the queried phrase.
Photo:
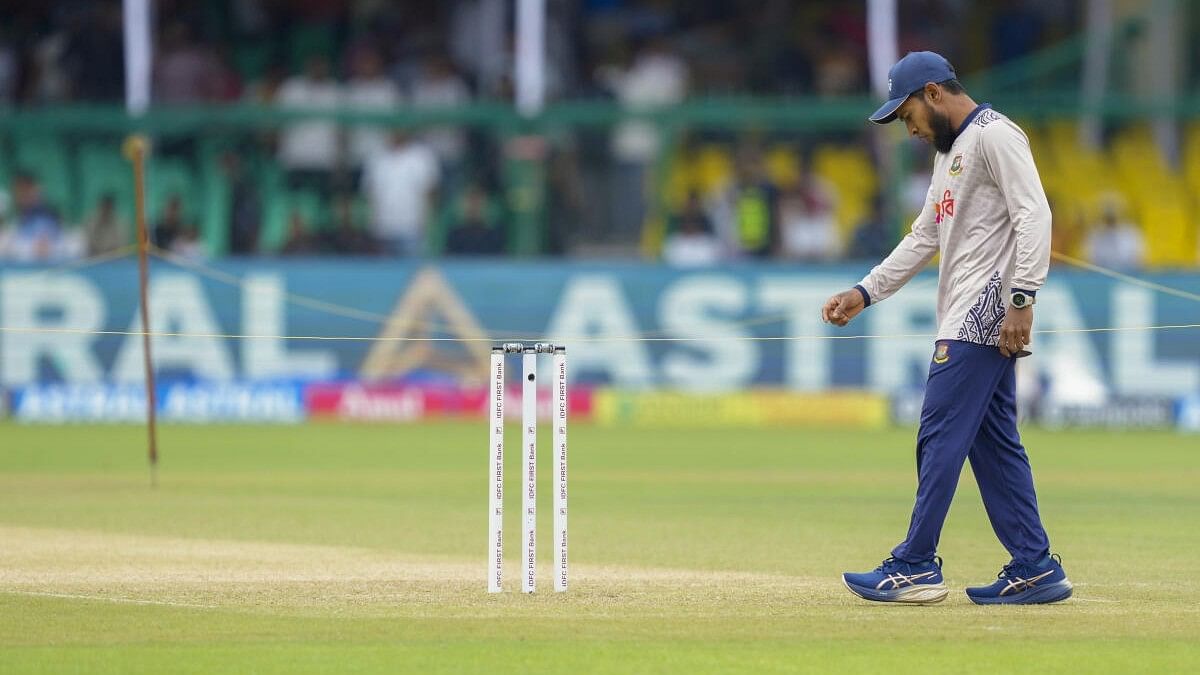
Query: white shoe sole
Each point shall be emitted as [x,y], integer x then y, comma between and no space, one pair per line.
[923,594]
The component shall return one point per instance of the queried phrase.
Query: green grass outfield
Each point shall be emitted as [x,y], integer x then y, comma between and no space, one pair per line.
[348,549]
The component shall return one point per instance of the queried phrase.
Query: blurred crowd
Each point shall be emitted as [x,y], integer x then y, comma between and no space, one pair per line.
[225,50]
[386,189]
[751,217]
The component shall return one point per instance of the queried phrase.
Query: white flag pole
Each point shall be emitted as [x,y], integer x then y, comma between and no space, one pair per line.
[138,56]
[882,42]
[530,64]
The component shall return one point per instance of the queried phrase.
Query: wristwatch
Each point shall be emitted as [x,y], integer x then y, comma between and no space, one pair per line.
[1021,299]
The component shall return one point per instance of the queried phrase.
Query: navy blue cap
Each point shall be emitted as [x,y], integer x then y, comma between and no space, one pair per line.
[908,76]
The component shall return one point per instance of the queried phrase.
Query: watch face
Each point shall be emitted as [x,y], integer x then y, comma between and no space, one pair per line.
[1019,300]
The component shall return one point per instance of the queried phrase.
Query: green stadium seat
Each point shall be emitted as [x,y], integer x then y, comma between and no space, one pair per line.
[307,40]
[6,165]
[215,197]
[251,59]
[101,170]
[166,177]
[274,206]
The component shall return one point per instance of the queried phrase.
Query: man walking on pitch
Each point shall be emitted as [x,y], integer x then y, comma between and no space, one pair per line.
[987,215]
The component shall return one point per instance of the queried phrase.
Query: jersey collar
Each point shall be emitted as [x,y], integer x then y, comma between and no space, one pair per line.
[970,118]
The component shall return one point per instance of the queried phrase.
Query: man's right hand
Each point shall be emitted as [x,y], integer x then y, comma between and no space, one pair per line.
[842,307]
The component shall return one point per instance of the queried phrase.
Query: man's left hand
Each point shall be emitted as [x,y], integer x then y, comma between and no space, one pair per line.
[1015,331]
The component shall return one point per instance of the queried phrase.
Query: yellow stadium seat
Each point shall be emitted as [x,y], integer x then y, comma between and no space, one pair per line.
[852,174]
[782,165]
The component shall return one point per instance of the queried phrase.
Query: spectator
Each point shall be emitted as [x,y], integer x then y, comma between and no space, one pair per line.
[188,244]
[439,86]
[347,237]
[874,237]
[170,223]
[657,78]
[369,89]
[839,70]
[299,240]
[400,185]
[747,212]
[38,234]
[476,230]
[51,82]
[807,221]
[1116,243]
[105,231]
[309,150]
[477,43]
[691,242]
[187,72]
[227,85]
[265,90]
[245,206]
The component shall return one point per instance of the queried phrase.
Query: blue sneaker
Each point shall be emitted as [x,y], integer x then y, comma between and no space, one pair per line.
[899,581]
[1023,584]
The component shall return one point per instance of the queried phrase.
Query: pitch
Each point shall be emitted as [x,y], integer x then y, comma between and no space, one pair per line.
[362,549]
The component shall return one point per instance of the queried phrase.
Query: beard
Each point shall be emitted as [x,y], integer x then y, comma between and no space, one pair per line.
[943,134]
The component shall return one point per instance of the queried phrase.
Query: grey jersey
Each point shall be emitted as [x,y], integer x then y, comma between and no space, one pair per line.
[987,215]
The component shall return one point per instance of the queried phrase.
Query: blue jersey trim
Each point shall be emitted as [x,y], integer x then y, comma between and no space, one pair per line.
[865,294]
[971,118]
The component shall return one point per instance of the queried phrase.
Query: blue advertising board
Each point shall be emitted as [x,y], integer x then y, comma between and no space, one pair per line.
[628,324]
[198,402]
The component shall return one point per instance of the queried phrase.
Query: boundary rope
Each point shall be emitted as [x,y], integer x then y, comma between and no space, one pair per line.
[560,338]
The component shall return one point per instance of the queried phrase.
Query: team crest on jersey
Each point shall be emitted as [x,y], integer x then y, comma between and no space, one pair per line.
[942,354]
[943,209]
[956,165]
